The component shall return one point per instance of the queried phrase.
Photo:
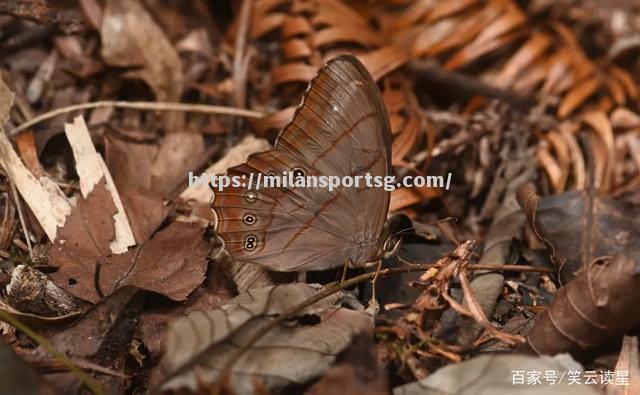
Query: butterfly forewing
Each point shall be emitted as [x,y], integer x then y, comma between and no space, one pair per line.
[340,129]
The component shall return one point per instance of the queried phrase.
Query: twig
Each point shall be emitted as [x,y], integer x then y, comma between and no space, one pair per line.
[240,64]
[22,221]
[141,105]
[427,70]
[90,383]
[510,268]
[330,289]
[475,310]
[53,365]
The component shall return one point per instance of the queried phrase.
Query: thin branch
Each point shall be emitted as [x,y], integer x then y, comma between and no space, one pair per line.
[141,105]
[430,71]
[475,310]
[22,221]
[240,57]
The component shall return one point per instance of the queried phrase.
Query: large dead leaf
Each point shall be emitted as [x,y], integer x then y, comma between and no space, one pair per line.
[82,241]
[131,38]
[172,263]
[576,234]
[288,354]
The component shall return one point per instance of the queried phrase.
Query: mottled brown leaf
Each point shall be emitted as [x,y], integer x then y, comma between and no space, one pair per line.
[82,241]
[172,263]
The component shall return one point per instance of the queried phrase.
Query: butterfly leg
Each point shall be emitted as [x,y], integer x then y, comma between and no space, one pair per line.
[344,270]
[373,302]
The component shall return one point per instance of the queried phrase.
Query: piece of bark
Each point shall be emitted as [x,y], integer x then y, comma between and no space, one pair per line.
[31,291]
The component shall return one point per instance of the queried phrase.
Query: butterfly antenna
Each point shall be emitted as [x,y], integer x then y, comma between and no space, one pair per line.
[406,262]
[418,225]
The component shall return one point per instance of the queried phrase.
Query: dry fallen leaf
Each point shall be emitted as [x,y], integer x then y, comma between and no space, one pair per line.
[46,200]
[573,235]
[173,263]
[82,241]
[91,169]
[495,374]
[297,351]
[131,38]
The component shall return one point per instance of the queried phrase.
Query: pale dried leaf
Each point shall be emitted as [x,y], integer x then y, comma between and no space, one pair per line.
[44,198]
[296,353]
[47,202]
[493,374]
[234,157]
[91,169]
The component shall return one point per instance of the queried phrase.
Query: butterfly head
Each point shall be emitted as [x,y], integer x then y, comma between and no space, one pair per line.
[395,227]
[391,246]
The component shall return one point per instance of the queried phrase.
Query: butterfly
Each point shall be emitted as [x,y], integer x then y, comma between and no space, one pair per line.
[341,128]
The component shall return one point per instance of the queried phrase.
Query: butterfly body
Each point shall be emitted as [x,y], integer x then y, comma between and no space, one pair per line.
[341,128]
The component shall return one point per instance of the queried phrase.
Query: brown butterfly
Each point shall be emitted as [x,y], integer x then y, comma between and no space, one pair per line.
[340,128]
